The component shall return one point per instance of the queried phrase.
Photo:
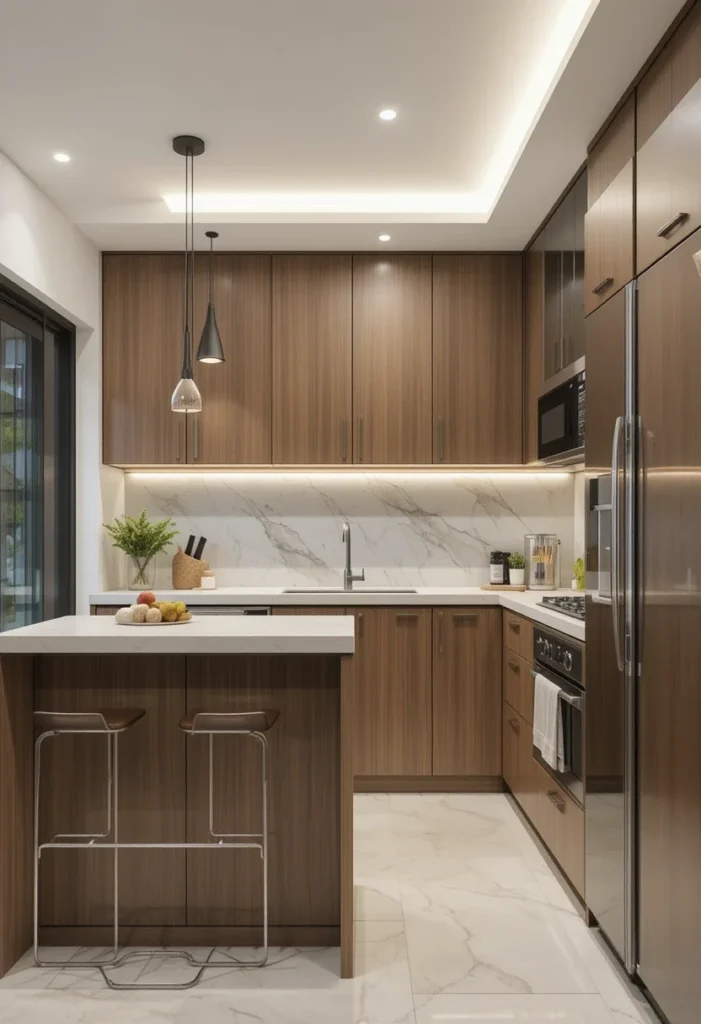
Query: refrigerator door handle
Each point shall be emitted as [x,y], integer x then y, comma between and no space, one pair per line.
[640,581]
[615,540]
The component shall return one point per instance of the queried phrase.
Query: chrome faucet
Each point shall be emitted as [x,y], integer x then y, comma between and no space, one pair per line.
[349,577]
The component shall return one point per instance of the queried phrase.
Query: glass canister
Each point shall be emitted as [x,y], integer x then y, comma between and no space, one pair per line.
[542,561]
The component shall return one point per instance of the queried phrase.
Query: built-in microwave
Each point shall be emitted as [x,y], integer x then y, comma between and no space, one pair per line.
[561,422]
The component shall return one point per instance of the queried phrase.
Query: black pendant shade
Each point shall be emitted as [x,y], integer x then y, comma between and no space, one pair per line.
[210,348]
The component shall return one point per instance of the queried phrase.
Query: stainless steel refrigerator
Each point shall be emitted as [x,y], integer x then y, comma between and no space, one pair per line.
[643,727]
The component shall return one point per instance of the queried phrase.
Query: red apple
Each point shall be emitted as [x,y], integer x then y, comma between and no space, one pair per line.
[146,597]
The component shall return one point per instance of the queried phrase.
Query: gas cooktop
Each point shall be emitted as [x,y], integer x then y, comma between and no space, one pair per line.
[572,606]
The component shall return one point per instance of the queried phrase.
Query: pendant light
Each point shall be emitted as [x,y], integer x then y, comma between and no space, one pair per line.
[186,397]
[210,348]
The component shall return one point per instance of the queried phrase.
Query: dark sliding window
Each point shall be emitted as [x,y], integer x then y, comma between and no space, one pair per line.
[36,466]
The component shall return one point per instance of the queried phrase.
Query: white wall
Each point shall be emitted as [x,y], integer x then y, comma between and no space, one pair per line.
[42,252]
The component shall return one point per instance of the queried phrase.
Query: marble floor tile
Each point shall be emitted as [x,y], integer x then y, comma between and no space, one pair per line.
[463,942]
[514,1009]
[377,899]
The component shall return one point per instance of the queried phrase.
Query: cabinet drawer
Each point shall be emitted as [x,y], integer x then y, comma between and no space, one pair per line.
[560,822]
[518,685]
[518,635]
[517,745]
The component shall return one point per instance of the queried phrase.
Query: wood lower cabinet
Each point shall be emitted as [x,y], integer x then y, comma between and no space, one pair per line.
[234,425]
[608,240]
[392,674]
[517,759]
[477,359]
[312,359]
[518,635]
[518,684]
[467,691]
[142,355]
[560,822]
[392,355]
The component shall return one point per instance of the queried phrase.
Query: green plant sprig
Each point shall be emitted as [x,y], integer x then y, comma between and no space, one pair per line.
[139,537]
[516,560]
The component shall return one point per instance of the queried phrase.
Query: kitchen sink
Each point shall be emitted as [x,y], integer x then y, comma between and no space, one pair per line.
[355,590]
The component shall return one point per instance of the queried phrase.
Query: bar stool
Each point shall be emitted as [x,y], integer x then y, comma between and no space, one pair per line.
[224,722]
[108,722]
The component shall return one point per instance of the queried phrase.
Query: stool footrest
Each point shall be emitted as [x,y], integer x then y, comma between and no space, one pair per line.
[181,954]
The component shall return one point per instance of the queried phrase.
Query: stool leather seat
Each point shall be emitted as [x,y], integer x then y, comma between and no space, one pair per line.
[101,719]
[228,719]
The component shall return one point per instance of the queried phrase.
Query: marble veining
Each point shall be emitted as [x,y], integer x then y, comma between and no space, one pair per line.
[458,918]
[408,529]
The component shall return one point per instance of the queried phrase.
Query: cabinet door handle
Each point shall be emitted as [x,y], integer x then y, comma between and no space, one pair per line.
[465,617]
[361,621]
[440,438]
[361,438]
[514,666]
[556,799]
[344,440]
[514,723]
[406,615]
[196,427]
[669,227]
[440,632]
[179,428]
[603,285]
[515,626]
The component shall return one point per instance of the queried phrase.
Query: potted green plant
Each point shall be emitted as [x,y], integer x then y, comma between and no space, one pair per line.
[141,540]
[517,569]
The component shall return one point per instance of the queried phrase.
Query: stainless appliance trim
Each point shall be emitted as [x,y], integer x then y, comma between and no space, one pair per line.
[567,458]
[615,534]
[576,702]
[563,375]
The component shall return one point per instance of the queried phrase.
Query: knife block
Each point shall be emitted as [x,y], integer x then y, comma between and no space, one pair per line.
[187,571]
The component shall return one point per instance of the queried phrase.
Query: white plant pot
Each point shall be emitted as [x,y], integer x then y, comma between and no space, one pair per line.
[517,577]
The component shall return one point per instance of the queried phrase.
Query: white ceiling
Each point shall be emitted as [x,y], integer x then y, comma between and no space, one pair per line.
[496,101]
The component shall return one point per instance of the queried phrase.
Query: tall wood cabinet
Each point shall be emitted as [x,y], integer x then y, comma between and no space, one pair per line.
[467,701]
[142,359]
[312,359]
[477,359]
[392,692]
[392,360]
[234,425]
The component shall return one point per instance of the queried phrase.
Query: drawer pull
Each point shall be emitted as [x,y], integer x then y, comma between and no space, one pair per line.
[669,227]
[407,615]
[514,723]
[556,799]
[514,666]
[361,622]
[603,285]
[515,626]
[465,617]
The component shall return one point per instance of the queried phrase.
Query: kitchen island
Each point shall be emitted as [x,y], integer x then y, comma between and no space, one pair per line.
[298,665]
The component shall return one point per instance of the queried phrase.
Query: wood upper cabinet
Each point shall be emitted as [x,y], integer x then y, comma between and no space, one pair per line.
[142,346]
[534,278]
[392,691]
[312,359]
[392,360]
[608,225]
[467,693]
[669,146]
[234,425]
[478,359]
[608,241]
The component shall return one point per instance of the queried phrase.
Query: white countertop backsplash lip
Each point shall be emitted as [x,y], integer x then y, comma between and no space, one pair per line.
[522,602]
[220,634]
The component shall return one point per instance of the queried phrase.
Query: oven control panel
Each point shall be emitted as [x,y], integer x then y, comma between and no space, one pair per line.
[556,652]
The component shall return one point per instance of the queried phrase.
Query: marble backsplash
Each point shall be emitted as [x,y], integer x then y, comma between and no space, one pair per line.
[407,528]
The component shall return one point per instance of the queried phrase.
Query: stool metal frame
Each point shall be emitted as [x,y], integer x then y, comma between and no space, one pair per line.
[91,841]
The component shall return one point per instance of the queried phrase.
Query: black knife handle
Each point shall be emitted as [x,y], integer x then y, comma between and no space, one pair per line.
[200,547]
[190,542]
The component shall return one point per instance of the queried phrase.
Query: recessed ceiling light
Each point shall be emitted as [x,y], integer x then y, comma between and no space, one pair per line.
[388,115]
[62,158]
[385,238]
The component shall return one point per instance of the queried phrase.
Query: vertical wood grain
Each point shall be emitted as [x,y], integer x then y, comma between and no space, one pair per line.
[142,351]
[612,152]
[346,820]
[234,427]
[16,829]
[392,391]
[467,691]
[478,358]
[533,342]
[312,359]
[608,228]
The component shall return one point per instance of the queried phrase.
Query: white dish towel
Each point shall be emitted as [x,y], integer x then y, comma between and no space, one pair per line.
[547,723]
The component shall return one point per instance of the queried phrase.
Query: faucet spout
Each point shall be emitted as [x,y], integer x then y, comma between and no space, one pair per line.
[349,577]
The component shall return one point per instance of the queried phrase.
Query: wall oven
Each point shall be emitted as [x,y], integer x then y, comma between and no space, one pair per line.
[561,422]
[560,660]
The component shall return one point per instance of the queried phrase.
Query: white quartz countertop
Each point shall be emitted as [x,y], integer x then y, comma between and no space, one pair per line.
[525,603]
[219,634]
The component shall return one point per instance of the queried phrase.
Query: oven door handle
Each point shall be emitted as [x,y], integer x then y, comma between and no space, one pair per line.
[575,702]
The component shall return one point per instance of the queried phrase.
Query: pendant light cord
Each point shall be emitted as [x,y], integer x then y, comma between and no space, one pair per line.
[211,271]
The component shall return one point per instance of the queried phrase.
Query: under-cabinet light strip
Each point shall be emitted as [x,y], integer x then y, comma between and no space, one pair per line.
[339,475]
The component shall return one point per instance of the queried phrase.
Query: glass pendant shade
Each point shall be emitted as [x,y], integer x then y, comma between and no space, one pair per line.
[186,397]
[210,348]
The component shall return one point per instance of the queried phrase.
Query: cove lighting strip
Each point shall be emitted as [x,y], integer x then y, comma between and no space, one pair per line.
[343,475]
